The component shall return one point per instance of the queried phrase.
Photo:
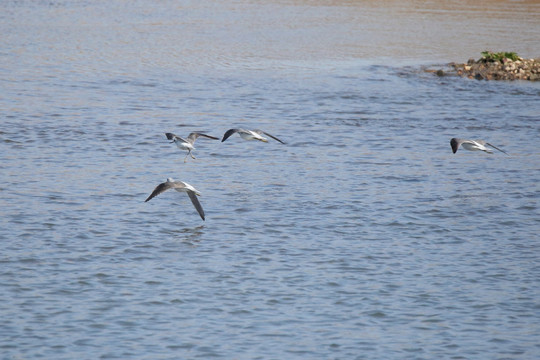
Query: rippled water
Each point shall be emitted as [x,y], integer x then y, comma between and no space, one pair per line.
[363,237]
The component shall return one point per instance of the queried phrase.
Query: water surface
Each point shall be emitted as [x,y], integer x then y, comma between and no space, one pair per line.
[363,237]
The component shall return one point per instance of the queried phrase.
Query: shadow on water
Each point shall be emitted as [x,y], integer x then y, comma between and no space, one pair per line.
[189,235]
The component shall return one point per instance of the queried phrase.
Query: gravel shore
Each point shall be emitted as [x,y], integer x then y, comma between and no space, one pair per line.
[484,69]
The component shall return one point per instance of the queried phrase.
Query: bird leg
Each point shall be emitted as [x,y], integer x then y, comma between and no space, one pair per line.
[185,159]
[193,157]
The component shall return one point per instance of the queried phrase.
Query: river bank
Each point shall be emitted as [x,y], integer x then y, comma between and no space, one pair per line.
[495,67]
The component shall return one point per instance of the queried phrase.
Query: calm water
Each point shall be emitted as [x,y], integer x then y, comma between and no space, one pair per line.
[363,237]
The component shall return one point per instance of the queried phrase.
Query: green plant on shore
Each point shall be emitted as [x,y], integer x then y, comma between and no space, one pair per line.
[488,56]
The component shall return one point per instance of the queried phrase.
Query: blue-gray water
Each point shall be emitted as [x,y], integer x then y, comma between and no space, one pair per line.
[363,237]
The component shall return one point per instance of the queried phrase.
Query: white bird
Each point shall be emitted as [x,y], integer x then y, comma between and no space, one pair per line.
[181,187]
[472,145]
[187,144]
[249,135]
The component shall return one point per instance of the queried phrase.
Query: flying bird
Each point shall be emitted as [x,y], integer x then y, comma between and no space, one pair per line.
[249,135]
[472,145]
[181,187]
[187,144]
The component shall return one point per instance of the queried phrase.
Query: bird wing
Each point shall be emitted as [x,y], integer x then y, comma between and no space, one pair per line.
[194,135]
[173,137]
[196,203]
[496,148]
[260,132]
[159,189]
[228,133]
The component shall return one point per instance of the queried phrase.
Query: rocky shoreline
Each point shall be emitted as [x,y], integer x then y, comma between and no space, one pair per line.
[503,68]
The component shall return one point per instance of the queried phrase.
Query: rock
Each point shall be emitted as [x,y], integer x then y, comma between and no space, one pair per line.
[494,69]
